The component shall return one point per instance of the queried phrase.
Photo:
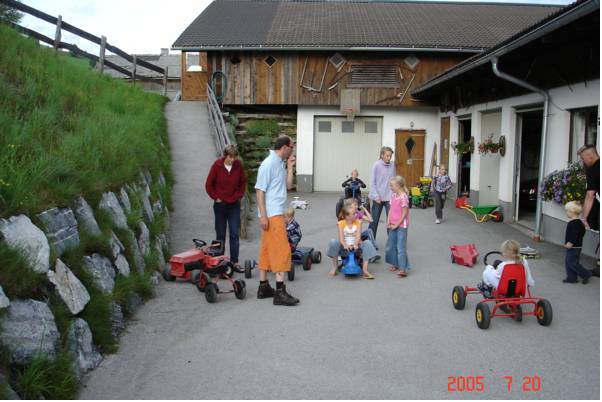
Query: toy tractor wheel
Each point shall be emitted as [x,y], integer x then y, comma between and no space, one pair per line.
[291,273]
[248,268]
[229,272]
[431,202]
[423,203]
[211,293]
[203,281]
[543,312]
[497,216]
[483,315]
[167,274]
[307,261]
[195,276]
[316,257]
[240,289]
[453,260]
[458,297]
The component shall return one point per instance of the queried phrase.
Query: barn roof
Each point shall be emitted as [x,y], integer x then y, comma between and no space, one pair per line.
[353,24]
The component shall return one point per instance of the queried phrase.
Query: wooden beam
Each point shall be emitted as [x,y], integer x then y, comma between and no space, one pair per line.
[101,56]
[57,33]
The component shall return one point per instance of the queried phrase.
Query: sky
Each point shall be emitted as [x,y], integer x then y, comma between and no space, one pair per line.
[137,26]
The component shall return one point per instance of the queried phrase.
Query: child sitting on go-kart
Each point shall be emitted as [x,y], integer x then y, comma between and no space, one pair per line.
[293,229]
[349,240]
[363,215]
[353,186]
[493,273]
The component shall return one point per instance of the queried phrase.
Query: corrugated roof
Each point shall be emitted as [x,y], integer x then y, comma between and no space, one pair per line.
[356,24]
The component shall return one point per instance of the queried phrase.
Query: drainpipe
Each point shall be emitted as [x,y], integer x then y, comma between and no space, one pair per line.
[544,136]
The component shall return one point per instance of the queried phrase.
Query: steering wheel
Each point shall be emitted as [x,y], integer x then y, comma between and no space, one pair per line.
[199,243]
[488,254]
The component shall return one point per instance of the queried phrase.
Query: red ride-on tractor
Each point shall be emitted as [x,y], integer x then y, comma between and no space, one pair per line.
[508,299]
[204,265]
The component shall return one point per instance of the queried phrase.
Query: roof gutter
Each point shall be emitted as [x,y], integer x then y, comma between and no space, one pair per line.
[332,48]
[563,19]
[544,137]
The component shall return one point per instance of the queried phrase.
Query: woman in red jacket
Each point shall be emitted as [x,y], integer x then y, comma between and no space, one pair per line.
[226,185]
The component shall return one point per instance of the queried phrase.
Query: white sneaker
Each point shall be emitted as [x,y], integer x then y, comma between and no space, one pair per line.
[437,221]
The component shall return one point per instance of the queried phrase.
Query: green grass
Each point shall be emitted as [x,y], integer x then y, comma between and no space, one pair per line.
[127,240]
[62,316]
[47,379]
[18,280]
[268,128]
[67,130]
[96,244]
[127,286]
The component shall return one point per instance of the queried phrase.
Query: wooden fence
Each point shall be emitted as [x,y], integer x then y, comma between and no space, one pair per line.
[101,41]
[220,133]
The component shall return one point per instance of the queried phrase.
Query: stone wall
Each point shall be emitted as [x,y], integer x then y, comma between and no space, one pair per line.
[123,219]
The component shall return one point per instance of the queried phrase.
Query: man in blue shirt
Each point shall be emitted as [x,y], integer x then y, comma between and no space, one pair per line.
[274,177]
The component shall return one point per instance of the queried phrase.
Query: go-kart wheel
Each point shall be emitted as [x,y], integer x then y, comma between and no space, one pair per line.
[423,203]
[316,257]
[458,297]
[431,202]
[483,315]
[248,269]
[195,276]
[204,279]
[229,271]
[167,273]
[543,312]
[453,260]
[211,293]
[307,261]
[240,289]
[291,273]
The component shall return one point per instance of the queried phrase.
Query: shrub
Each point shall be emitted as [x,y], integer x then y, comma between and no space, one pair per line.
[268,128]
[43,378]
[263,142]
[18,279]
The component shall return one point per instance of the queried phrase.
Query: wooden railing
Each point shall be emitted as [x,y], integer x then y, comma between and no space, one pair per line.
[101,41]
[220,133]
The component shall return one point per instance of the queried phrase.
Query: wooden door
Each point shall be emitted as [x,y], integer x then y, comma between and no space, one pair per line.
[445,142]
[409,155]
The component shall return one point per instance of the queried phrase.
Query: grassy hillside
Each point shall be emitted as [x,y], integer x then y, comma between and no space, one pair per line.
[66,130]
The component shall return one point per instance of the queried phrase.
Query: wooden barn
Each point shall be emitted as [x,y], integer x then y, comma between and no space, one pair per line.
[347,69]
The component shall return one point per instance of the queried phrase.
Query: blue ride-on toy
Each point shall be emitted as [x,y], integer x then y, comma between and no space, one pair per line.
[304,256]
[351,266]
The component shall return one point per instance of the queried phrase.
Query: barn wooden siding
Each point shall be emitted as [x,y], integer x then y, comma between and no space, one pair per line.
[252,82]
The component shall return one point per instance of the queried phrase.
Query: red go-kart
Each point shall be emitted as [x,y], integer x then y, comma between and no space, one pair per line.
[508,299]
[204,265]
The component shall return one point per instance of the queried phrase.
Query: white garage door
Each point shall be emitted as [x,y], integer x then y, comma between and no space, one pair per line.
[342,145]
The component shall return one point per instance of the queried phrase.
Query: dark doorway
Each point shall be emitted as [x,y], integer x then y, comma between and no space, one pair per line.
[530,125]
[464,134]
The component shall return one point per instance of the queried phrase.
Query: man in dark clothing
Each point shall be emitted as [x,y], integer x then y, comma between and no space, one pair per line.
[591,207]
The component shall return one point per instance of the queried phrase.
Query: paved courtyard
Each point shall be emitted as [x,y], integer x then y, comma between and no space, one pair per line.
[389,338]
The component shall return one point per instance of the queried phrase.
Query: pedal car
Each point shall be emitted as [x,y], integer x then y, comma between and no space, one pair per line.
[204,265]
[464,254]
[351,264]
[508,299]
[304,256]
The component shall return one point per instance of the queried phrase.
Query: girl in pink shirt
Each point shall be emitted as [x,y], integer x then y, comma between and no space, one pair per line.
[397,223]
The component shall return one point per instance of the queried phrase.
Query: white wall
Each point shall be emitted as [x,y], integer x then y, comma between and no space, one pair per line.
[563,99]
[393,118]
[489,170]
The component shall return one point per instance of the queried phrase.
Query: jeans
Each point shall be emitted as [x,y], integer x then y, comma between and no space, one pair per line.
[369,235]
[376,211]
[335,249]
[228,215]
[439,203]
[573,267]
[397,254]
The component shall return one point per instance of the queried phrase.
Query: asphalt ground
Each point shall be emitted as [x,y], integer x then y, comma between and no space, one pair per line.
[349,338]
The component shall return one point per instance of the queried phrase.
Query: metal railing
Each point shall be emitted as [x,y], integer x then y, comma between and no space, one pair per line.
[217,125]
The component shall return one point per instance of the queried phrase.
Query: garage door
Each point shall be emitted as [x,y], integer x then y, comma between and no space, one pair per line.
[342,145]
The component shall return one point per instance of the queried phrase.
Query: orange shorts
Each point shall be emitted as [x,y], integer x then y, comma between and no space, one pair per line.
[274,249]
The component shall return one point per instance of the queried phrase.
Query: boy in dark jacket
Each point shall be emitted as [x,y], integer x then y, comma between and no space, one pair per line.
[353,186]
[573,241]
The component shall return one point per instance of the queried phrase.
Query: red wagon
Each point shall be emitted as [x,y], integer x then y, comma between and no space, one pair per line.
[464,254]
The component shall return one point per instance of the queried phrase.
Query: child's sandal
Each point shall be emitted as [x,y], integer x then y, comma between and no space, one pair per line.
[368,276]
[393,269]
[402,274]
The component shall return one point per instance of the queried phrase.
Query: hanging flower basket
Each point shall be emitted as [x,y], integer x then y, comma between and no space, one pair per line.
[562,186]
[463,147]
[489,146]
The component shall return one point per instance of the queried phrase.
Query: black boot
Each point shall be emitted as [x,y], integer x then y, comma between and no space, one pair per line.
[282,298]
[265,290]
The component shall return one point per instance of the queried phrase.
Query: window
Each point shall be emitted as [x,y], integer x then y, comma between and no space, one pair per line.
[374,75]
[337,61]
[347,126]
[270,61]
[584,129]
[324,127]
[371,127]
